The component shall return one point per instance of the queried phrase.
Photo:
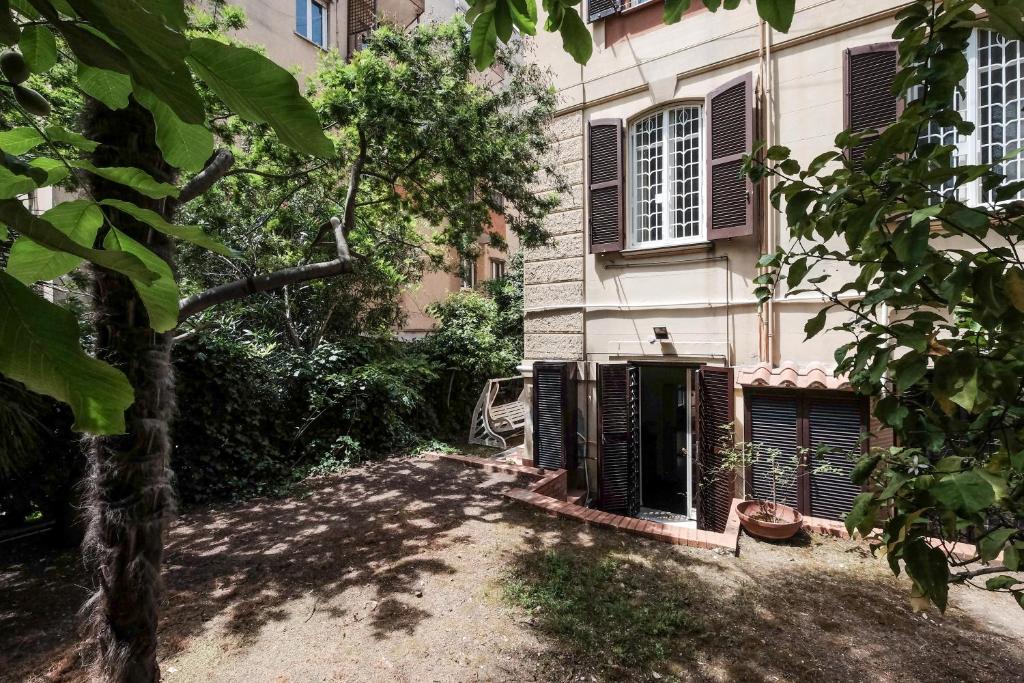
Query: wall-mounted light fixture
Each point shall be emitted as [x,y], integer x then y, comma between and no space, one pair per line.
[661,333]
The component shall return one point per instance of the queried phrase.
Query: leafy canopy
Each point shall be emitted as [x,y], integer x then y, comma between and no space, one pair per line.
[117,51]
[929,285]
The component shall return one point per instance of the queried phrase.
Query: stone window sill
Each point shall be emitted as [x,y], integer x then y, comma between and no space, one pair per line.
[670,250]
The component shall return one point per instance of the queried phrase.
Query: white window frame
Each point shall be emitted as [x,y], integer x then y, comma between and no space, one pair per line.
[668,179]
[469,273]
[308,33]
[968,148]
[497,269]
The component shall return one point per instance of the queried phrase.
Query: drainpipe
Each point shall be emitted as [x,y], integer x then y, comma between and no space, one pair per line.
[772,224]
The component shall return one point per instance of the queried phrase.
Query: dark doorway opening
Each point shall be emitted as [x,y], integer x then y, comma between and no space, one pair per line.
[665,438]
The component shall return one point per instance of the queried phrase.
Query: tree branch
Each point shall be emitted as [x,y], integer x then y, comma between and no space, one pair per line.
[963,576]
[218,167]
[247,286]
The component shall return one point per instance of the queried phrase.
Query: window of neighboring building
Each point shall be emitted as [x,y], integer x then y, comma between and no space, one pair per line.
[311,21]
[665,177]
[469,273]
[993,100]
[497,269]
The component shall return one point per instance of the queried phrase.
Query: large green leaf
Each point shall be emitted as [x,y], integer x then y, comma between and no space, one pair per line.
[184,145]
[54,170]
[927,567]
[967,492]
[259,90]
[778,13]
[38,47]
[109,87]
[14,184]
[14,214]
[39,348]
[189,233]
[132,177]
[576,39]
[24,139]
[160,296]
[154,51]
[31,262]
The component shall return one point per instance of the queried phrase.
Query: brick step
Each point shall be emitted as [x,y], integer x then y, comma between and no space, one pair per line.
[576,497]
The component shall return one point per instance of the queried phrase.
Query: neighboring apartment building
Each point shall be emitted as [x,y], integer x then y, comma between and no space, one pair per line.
[295,33]
[643,337]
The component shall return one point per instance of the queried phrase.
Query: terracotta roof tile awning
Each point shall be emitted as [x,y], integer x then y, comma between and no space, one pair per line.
[791,375]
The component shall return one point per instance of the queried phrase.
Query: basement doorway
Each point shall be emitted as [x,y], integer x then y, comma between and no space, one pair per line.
[667,443]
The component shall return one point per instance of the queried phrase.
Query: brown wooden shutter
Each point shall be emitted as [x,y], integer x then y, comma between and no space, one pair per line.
[869,102]
[554,415]
[835,427]
[606,202]
[618,454]
[774,423]
[599,9]
[715,416]
[730,123]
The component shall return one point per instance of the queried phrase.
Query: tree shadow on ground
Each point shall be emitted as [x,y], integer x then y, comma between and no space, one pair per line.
[362,529]
[620,612]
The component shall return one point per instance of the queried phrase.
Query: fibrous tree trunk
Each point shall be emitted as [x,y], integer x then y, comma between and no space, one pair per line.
[130,498]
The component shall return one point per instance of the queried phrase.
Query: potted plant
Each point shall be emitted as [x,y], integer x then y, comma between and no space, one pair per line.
[766,517]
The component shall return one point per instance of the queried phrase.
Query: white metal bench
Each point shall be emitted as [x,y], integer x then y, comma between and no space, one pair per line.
[494,424]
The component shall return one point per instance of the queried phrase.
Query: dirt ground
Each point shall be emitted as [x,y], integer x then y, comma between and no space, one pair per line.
[395,571]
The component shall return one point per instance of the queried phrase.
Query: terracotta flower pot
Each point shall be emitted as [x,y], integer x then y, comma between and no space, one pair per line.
[754,516]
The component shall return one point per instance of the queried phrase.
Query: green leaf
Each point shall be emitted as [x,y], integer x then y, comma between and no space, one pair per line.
[260,91]
[184,145]
[927,567]
[861,515]
[674,10]
[109,87]
[39,348]
[20,140]
[38,47]
[31,262]
[135,178]
[9,31]
[863,469]
[524,14]
[502,20]
[817,323]
[576,39]
[965,492]
[1001,583]
[15,215]
[991,544]
[160,296]
[1012,557]
[55,171]
[14,184]
[483,40]
[1013,283]
[778,13]
[189,233]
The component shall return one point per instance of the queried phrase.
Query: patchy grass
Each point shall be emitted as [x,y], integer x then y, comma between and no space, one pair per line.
[609,608]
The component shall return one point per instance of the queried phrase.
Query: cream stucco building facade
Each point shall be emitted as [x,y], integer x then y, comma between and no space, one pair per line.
[643,335]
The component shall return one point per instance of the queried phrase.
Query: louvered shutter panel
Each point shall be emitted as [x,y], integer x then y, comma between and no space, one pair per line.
[554,415]
[606,205]
[730,195]
[774,424]
[835,428]
[599,9]
[618,465]
[715,416]
[869,102]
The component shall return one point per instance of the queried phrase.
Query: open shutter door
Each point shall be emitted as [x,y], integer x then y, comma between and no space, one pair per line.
[730,112]
[605,172]
[835,428]
[618,463]
[870,104]
[599,9]
[715,416]
[554,415]
[775,424]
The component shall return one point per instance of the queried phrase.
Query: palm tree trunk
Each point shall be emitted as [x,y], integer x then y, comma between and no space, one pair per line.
[130,498]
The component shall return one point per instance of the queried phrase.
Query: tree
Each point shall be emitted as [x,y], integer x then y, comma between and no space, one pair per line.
[144,122]
[934,308]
